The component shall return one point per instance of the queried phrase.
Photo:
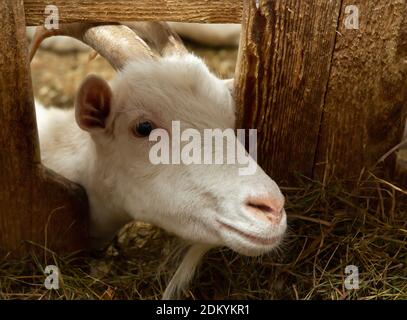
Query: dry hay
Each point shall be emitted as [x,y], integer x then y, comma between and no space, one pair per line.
[329,228]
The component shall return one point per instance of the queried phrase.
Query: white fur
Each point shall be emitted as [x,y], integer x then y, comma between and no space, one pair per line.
[191,201]
[186,270]
[209,34]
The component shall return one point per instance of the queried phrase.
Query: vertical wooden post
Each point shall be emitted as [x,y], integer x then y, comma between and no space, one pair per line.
[281,78]
[36,205]
[324,98]
[366,100]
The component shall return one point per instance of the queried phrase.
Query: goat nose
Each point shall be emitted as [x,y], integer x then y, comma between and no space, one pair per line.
[266,208]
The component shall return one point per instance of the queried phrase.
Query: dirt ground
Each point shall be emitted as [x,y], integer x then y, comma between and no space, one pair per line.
[56,77]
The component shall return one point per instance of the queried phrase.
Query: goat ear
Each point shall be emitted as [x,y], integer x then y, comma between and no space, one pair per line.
[230,84]
[93,104]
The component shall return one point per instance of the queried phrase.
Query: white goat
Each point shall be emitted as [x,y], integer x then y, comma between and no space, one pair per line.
[103,145]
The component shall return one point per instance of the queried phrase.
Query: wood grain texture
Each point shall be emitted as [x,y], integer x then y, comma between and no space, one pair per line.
[36,205]
[215,11]
[366,101]
[281,79]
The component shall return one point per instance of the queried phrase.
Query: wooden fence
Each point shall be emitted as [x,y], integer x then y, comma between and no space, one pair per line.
[326,98]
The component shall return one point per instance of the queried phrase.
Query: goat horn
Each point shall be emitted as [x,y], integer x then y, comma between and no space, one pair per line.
[117,43]
[160,36]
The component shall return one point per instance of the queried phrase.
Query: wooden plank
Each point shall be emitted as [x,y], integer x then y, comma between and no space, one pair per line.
[215,11]
[366,101]
[281,79]
[36,205]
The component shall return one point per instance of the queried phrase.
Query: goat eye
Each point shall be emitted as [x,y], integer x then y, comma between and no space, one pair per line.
[143,129]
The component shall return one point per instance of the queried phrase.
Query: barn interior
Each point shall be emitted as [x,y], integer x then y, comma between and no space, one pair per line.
[330,227]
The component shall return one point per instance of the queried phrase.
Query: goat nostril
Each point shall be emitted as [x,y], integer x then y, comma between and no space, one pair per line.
[266,209]
[261,207]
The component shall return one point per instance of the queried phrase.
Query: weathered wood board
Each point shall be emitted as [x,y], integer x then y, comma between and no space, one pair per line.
[326,98]
[366,101]
[282,75]
[219,11]
[37,207]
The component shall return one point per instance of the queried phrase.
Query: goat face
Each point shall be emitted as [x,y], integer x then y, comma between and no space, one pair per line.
[210,204]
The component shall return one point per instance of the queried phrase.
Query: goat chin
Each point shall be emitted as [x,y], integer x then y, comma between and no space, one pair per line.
[185,271]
